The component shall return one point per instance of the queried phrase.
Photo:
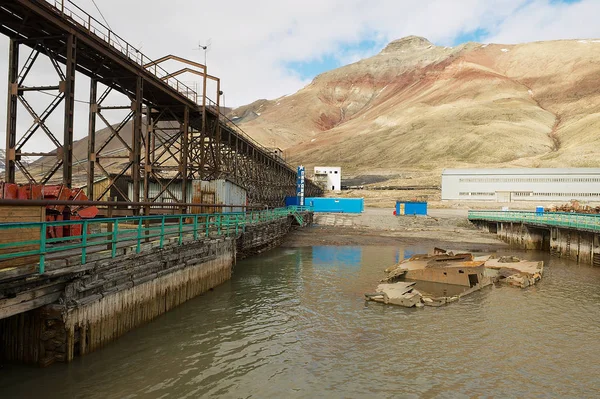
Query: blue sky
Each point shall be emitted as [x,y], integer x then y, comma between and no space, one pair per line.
[311,68]
[308,69]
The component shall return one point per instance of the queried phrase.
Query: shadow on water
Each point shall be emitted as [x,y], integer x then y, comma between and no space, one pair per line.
[294,323]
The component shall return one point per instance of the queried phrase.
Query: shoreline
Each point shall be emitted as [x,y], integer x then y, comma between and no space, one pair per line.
[443,228]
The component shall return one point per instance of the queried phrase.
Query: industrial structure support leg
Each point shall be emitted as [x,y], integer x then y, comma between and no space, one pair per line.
[69,91]
[11,115]
[149,143]
[92,138]
[184,155]
[136,139]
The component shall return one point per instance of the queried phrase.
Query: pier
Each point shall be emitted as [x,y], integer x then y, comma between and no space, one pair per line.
[68,287]
[70,296]
[570,235]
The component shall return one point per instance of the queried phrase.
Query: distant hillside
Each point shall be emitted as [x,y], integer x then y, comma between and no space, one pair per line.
[416,108]
[401,116]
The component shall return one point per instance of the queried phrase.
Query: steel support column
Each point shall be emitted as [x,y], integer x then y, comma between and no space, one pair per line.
[184,155]
[92,138]
[136,139]
[11,114]
[149,143]
[69,91]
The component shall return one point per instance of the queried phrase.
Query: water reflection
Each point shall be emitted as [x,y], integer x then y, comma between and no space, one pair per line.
[293,323]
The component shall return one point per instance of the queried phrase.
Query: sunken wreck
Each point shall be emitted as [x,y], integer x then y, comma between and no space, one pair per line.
[444,277]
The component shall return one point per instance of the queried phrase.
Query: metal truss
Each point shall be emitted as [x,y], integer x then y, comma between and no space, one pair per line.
[170,134]
[65,87]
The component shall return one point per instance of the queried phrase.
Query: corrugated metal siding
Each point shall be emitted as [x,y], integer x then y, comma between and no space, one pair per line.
[219,192]
[154,191]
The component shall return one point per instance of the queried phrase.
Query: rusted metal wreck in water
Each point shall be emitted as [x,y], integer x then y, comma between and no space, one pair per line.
[445,277]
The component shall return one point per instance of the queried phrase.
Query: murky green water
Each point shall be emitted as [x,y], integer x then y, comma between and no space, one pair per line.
[293,323]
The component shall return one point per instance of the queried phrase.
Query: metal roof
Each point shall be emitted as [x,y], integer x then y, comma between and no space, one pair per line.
[523,171]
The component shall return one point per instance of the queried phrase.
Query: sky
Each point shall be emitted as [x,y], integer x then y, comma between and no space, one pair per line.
[272,48]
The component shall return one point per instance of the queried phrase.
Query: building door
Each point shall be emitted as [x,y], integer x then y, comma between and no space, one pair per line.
[502,196]
[473,280]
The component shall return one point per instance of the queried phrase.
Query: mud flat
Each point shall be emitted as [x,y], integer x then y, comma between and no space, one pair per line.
[442,228]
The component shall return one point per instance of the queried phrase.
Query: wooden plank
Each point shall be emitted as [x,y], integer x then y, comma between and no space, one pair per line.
[16,272]
[30,305]
[12,214]
[31,295]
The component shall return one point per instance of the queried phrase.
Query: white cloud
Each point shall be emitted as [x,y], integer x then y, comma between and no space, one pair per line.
[543,20]
[252,41]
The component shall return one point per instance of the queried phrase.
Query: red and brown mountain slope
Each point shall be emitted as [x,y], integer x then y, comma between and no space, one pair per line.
[416,107]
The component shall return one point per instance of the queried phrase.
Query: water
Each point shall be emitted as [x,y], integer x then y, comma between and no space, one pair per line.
[293,323]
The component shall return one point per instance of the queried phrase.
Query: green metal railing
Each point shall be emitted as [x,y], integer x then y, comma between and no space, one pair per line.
[558,219]
[106,233]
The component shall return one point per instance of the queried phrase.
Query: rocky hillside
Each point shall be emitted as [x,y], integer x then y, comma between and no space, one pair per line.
[416,108]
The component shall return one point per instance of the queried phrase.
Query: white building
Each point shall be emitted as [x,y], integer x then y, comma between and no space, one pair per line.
[329,177]
[507,185]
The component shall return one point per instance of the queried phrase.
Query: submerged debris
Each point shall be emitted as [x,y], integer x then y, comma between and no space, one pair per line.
[445,277]
[401,293]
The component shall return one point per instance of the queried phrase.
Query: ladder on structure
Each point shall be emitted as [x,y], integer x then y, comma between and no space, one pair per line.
[298,217]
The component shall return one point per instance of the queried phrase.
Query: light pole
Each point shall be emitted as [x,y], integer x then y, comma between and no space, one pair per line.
[203,48]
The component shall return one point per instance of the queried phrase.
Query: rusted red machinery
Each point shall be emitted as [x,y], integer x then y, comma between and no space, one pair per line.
[573,207]
[53,212]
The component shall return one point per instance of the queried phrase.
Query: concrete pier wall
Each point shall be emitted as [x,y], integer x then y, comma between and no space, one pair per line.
[117,295]
[580,246]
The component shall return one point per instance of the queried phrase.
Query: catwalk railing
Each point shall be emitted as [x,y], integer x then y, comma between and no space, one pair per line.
[75,14]
[107,233]
[578,221]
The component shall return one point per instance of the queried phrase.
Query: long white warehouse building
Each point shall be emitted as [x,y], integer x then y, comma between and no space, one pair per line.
[507,185]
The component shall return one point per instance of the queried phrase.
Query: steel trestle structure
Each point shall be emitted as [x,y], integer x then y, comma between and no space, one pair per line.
[170,133]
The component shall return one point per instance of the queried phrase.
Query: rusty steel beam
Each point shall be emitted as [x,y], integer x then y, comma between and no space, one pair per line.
[49,203]
[11,120]
[136,139]
[185,153]
[207,145]
[149,143]
[69,91]
[93,109]
[175,58]
[184,70]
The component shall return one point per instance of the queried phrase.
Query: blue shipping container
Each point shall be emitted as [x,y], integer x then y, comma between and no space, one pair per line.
[337,205]
[539,209]
[291,201]
[411,208]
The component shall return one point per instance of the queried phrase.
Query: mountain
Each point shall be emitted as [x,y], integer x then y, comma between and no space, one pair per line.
[416,108]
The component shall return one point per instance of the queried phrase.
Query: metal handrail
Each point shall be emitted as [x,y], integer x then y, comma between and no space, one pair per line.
[77,15]
[71,11]
[132,230]
[558,219]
